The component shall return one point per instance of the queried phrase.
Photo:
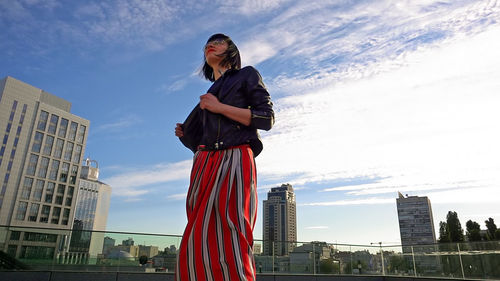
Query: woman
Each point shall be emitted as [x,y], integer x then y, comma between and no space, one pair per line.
[221,202]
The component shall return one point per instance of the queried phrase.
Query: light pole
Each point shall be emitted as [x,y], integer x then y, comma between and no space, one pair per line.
[381,257]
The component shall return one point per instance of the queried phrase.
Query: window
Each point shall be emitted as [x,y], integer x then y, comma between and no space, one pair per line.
[59,148]
[12,250]
[81,134]
[56,212]
[54,169]
[37,252]
[44,215]
[13,110]
[33,215]
[44,165]
[15,235]
[21,120]
[21,211]
[40,237]
[65,216]
[49,193]
[76,154]
[72,131]
[53,123]
[60,194]
[42,121]
[63,127]
[28,183]
[64,172]
[69,151]
[74,172]
[37,195]
[69,196]
[32,165]
[37,142]
[47,148]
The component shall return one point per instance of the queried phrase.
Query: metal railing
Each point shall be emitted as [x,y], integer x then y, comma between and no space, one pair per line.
[104,251]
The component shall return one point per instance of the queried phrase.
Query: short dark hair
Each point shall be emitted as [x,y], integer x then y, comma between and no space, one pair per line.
[231,57]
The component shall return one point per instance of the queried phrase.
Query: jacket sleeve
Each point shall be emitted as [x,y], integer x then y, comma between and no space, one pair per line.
[260,102]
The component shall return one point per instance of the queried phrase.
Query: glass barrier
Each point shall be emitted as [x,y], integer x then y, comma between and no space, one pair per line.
[24,248]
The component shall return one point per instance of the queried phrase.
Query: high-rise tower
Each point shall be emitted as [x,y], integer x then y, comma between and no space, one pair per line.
[40,164]
[416,224]
[92,206]
[280,223]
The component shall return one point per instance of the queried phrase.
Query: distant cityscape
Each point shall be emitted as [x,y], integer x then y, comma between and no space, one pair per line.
[53,206]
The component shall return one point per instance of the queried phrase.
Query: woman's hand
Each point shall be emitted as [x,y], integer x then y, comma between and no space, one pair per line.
[211,103]
[178,130]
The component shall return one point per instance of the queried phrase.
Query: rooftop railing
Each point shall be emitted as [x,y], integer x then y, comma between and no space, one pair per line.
[28,248]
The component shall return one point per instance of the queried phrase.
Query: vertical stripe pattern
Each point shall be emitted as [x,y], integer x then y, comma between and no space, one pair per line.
[221,208]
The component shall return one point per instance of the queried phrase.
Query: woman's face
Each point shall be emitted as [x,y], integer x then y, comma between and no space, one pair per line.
[213,50]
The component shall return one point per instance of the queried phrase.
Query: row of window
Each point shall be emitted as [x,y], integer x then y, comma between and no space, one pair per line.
[48,191]
[75,131]
[87,204]
[71,151]
[32,252]
[58,171]
[14,147]
[35,214]
[34,236]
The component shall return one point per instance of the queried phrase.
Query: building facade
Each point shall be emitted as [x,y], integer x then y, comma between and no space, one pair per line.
[40,163]
[416,224]
[91,215]
[280,223]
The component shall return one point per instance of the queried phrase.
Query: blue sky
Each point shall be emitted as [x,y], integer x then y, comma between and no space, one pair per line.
[371,98]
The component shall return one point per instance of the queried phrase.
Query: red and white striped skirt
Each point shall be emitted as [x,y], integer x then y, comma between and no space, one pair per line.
[221,209]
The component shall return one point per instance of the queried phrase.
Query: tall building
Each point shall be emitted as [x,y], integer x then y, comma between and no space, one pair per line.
[418,236]
[416,224]
[92,206]
[40,164]
[280,223]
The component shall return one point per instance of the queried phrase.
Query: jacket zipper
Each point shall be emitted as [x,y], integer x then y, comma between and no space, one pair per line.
[258,116]
[218,134]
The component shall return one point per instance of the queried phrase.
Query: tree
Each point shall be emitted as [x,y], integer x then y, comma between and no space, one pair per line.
[454,228]
[443,233]
[473,231]
[143,259]
[328,266]
[492,228]
[398,264]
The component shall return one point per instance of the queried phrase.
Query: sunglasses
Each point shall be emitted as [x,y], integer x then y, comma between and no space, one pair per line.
[215,42]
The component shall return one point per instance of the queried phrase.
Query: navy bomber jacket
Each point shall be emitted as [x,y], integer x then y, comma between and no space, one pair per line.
[241,88]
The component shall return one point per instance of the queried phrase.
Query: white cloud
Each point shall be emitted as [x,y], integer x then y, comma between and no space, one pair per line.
[132,183]
[317,227]
[121,123]
[425,123]
[366,201]
[249,7]
[178,196]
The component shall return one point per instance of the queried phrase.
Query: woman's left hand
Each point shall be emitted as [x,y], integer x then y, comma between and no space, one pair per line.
[210,102]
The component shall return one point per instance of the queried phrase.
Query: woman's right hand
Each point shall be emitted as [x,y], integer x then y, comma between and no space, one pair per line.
[178,130]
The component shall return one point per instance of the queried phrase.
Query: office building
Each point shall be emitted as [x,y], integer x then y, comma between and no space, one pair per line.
[280,224]
[416,224]
[108,244]
[418,236]
[92,206]
[40,164]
